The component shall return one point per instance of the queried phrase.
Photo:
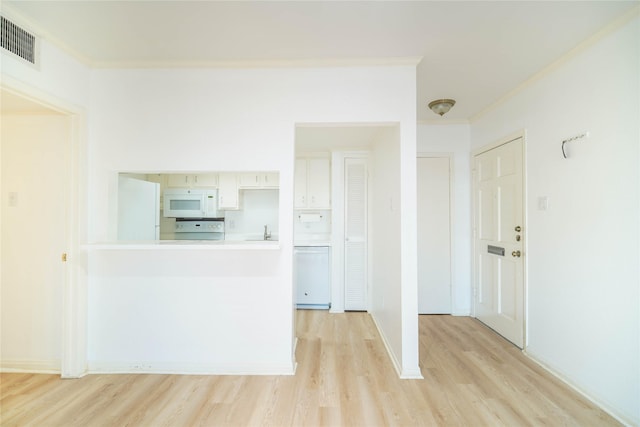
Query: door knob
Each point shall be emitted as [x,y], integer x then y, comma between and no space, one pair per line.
[516,254]
[518,228]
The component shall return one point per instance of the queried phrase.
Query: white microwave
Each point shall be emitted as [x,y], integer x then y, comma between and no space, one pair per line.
[190,203]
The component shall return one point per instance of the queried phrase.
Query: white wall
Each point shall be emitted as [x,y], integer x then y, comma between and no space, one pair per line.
[199,119]
[182,120]
[387,290]
[385,254]
[57,76]
[226,312]
[34,164]
[454,140]
[62,83]
[582,252]
[225,119]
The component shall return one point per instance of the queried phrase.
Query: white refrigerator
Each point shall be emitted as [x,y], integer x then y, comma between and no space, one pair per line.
[138,209]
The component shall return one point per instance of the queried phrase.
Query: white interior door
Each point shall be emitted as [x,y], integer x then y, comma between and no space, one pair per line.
[434,235]
[355,245]
[499,240]
[35,179]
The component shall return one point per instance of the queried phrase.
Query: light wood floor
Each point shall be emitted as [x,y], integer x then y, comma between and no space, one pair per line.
[472,377]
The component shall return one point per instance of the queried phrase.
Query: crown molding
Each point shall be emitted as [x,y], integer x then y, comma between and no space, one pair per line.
[614,25]
[267,63]
[334,125]
[35,28]
[442,122]
[41,34]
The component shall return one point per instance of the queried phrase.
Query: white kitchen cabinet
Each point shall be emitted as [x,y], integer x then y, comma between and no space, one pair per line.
[228,197]
[258,180]
[207,180]
[300,184]
[312,183]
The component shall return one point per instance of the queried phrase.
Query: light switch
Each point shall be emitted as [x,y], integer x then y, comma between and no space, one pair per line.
[13,199]
[543,203]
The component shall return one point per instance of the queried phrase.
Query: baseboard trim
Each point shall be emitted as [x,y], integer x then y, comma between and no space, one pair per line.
[295,361]
[466,313]
[177,368]
[402,374]
[412,375]
[604,406]
[31,366]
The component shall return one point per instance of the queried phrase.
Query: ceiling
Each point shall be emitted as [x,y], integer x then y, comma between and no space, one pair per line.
[472,51]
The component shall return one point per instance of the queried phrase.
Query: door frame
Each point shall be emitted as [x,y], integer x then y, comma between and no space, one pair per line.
[525,234]
[452,225]
[73,363]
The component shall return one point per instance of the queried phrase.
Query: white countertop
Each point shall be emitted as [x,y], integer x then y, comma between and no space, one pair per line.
[312,243]
[186,245]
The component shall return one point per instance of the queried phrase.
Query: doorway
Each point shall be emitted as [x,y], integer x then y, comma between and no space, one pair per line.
[43,319]
[499,249]
[34,165]
[434,234]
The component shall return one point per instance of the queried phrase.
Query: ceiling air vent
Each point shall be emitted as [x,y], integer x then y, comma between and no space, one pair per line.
[18,41]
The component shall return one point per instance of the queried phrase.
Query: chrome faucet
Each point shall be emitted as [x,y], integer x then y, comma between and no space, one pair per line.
[267,236]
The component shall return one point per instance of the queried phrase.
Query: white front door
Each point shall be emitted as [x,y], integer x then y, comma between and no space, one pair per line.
[434,236]
[499,240]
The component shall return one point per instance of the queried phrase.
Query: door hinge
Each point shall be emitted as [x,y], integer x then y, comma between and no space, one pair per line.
[64,257]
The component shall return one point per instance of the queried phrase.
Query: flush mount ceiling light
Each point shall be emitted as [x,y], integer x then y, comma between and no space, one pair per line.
[441,106]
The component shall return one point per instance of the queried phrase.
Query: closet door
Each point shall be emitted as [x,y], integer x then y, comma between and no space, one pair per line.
[434,236]
[355,257]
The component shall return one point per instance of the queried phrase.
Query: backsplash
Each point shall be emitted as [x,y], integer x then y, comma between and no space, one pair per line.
[258,208]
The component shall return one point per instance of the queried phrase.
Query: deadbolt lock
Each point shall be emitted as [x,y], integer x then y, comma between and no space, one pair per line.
[518,238]
[518,228]
[516,254]
[64,257]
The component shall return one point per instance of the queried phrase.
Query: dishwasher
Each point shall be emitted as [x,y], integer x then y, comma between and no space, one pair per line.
[312,276]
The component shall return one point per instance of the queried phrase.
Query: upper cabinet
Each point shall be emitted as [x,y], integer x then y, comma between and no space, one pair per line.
[227,183]
[312,183]
[208,180]
[258,180]
[228,197]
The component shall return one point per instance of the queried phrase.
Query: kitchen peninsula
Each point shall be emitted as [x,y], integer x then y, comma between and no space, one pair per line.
[187,245]
[198,306]
[190,308]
